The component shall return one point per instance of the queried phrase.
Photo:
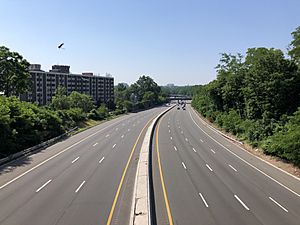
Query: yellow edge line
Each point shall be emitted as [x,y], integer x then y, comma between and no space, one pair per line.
[123,176]
[162,179]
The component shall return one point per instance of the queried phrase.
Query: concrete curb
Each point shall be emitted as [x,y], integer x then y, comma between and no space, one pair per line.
[34,148]
[141,203]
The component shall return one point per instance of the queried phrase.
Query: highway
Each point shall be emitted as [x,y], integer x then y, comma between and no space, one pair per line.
[86,179]
[200,177]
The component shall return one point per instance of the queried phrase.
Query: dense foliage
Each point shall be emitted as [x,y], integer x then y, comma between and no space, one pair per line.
[14,75]
[179,90]
[143,94]
[24,124]
[257,99]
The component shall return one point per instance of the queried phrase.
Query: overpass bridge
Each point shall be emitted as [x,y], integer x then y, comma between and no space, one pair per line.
[179,97]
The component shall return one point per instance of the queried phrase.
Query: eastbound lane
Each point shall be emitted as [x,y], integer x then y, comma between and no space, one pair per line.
[76,181]
[209,180]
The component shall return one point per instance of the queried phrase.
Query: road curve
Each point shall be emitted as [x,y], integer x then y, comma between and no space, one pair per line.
[200,177]
[77,181]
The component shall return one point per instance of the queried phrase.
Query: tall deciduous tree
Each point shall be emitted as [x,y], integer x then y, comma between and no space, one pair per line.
[271,84]
[14,75]
[60,100]
[294,50]
[143,85]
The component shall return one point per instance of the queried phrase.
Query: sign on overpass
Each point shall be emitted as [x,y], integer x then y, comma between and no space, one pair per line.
[179,97]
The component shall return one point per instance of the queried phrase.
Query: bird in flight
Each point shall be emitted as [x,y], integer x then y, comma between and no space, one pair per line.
[61,45]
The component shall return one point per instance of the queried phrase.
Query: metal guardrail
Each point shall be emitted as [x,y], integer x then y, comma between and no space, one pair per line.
[36,147]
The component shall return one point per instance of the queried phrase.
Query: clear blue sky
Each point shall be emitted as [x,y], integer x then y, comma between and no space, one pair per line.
[173,41]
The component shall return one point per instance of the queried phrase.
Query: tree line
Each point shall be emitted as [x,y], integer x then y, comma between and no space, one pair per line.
[25,124]
[257,98]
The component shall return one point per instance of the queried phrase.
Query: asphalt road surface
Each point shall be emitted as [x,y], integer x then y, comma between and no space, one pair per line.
[86,179]
[200,177]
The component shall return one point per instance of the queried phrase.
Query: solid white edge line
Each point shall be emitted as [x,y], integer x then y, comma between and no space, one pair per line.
[249,164]
[232,167]
[241,202]
[75,160]
[183,165]
[278,204]
[270,164]
[44,185]
[80,186]
[194,150]
[175,148]
[209,167]
[101,159]
[57,154]
[203,199]
[213,151]
[114,146]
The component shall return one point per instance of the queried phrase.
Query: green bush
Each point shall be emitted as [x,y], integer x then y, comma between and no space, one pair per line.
[24,124]
[77,114]
[286,143]
[98,114]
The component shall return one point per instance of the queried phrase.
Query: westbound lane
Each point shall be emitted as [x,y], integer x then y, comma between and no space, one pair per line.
[79,185]
[207,184]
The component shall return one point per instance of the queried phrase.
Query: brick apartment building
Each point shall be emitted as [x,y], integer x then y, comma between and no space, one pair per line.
[44,84]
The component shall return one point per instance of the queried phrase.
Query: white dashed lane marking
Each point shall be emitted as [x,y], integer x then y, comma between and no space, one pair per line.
[100,161]
[209,167]
[80,186]
[75,160]
[278,204]
[44,185]
[241,202]
[232,167]
[204,201]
